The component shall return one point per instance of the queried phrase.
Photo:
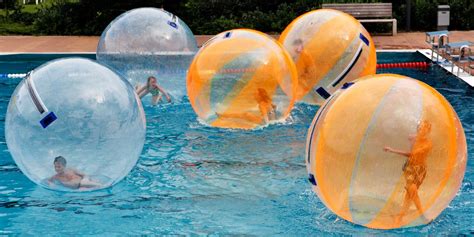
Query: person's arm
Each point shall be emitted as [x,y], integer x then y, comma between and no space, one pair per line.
[307,69]
[164,93]
[142,91]
[306,82]
[79,173]
[398,152]
[139,89]
[51,179]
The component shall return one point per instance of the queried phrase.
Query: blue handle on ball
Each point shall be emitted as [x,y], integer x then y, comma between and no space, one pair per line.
[48,119]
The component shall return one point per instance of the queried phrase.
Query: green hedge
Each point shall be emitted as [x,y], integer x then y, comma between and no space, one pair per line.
[90,17]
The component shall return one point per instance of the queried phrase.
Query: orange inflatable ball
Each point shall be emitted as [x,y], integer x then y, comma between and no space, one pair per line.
[329,48]
[386,151]
[242,79]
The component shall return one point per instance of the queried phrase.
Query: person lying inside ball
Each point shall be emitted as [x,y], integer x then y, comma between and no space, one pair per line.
[70,178]
[267,110]
[154,89]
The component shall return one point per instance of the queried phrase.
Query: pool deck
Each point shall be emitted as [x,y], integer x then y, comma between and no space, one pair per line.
[70,44]
[87,44]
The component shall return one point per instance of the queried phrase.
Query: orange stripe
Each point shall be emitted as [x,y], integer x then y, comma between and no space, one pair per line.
[451,141]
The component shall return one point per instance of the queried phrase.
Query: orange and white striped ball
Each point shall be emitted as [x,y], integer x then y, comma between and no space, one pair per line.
[329,48]
[385,152]
[242,79]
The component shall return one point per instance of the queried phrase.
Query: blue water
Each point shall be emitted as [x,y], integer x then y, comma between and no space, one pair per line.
[193,179]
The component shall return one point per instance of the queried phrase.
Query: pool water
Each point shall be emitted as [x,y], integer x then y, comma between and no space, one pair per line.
[194,179]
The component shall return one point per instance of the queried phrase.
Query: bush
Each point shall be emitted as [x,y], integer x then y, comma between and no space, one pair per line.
[424,14]
[56,18]
[268,16]
[20,16]
[90,17]
[462,15]
[11,28]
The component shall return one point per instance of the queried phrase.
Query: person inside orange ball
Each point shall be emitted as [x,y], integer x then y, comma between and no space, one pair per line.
[305,66]
[267,110]
[414,170]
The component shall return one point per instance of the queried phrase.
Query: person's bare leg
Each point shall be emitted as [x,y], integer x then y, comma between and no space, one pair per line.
[411,196]
[404,209]
[416,198]
[419,207]
[87,183]
[272,115]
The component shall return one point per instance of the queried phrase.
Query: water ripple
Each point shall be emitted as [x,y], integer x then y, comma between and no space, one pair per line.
[192,179]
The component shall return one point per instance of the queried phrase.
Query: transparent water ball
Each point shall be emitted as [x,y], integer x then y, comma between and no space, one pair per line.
[75,125]
[146,42]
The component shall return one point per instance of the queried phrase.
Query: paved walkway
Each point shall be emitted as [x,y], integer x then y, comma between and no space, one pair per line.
[15,44]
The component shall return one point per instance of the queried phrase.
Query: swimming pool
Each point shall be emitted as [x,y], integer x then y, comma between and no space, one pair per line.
[193,179]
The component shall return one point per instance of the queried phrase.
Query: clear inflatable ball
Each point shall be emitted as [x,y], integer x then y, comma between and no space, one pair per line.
[75,125]
[149,42]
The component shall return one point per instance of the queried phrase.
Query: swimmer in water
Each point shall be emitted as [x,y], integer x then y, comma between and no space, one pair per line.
[267,110]
[414,170]
[70,178]
[154,89]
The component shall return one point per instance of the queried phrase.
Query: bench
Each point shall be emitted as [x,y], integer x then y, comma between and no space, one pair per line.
[367,12]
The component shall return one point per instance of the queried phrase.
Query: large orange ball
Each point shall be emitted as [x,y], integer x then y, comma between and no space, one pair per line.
[329,48]
[242,79]
[386,152]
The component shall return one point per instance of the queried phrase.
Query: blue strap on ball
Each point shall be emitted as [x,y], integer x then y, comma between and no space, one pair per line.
[173,24]
[363,38]
[323,92]
[347,85]
[50,117]
[312,180]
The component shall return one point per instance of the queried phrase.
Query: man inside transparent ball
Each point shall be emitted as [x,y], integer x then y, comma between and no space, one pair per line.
[71,178]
